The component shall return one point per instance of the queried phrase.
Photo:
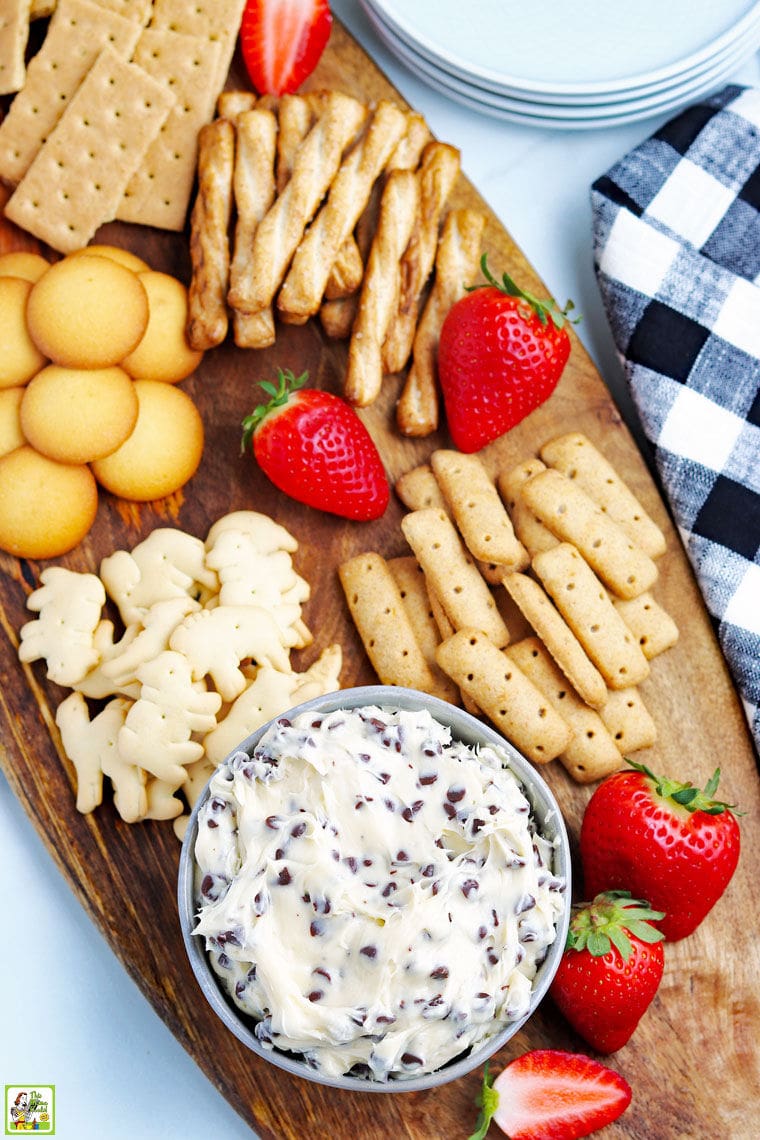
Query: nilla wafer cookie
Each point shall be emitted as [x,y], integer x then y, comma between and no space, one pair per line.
[591,753]
[505,694]
[574,517]
[586,607]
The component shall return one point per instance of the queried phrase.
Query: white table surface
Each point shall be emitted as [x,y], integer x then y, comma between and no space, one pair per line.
[69,1013]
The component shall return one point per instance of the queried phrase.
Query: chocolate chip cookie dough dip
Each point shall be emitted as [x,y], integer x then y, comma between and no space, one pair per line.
[376,895]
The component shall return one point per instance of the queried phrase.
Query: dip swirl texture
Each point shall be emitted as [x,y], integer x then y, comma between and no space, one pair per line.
[374,894]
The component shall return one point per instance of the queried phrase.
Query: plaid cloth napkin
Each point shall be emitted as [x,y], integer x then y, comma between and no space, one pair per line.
[677,256]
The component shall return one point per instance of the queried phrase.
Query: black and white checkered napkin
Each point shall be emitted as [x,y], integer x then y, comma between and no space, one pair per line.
[677,256]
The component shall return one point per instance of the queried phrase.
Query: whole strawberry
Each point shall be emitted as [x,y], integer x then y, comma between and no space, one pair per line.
[668,842]
[500,355]
[314,447]
[610,970]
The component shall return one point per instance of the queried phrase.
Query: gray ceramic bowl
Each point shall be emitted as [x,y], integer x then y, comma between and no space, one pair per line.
[551,825]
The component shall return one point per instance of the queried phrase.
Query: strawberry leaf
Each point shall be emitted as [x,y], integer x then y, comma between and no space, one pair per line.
[488,1101]
[544,309]
[279,394]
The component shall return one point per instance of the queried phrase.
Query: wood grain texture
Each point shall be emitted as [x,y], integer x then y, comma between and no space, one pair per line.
[693,1061]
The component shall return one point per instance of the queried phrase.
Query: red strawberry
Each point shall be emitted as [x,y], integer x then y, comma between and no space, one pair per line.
[501,354]
[551,1095]
[667,842]
[314,447]
[282,40]
[610,970]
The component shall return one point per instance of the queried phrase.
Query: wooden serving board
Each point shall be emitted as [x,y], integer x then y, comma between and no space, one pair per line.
[693,1061]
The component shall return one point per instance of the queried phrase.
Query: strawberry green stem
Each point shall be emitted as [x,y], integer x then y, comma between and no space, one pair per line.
[545,310]
[608,921]
[687,795]
[279,394]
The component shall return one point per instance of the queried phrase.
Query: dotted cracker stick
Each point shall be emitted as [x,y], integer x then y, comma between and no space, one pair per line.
[437,174]
[398,209]
[591,753]
[650,624]
[586,607]
[531,532]
[558,638]
[572,516]
[419,488]
[505,694]
[304,285]
[577,458]
[280,231]
[209,243]
[383,624]
[410,579]
[254,187]
[628,720]
[478,511]
[452,575]
[455,264]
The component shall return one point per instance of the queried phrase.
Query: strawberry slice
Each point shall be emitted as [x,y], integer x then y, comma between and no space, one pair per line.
[548,1094]
[282,41]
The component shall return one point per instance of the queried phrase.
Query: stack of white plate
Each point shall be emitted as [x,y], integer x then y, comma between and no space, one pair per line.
[571,64]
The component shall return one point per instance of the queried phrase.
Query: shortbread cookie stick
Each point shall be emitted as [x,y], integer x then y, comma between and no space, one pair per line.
[558,638]
[531,531]
[304,285]
[572,516]
[417,411]
[410,580]
[437,174]
[419,488]
[478,511]
[314,167]
[209,240]
[383,624]
[591,753]
[398,210]
[510,699]
[452,575]
[628,720]
[586,607]
[577,458]
[254,188]
[653,628]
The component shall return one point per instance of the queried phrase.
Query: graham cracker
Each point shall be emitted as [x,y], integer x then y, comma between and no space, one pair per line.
[78,32]
[159,191]
[14,33]
[214,20]
[77,179]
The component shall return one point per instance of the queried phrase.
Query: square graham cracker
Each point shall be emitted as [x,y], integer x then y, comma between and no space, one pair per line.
[78,178]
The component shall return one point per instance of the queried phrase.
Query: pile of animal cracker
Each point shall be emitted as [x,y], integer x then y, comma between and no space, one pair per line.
[203,659]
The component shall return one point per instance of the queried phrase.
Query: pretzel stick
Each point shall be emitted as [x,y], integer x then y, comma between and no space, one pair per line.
[437,174]
[455,265]
[230,104]
[253,186]
[338,313]
[282,228]
[398,210]
[209,242]
[304,286]
[296,118]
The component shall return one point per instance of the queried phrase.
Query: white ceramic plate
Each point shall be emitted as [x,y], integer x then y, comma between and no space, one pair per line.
[535,113]
[593,48]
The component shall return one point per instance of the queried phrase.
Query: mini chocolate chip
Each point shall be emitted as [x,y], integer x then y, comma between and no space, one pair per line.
[298,830]
[316,995]
[428,778]
[369,951]
[388,889]
[439,972]
[284,877]
[322,972]
[410,1059]
[469,887]
[273,822]
[455,793]
[316,928]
